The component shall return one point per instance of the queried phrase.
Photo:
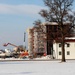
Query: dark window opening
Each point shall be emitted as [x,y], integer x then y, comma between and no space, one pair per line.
[68,53]
[59,53]
[59,45]
[68,45]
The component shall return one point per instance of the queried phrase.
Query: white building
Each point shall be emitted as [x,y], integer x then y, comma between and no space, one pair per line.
[30,41]
[69,49]
[36,41]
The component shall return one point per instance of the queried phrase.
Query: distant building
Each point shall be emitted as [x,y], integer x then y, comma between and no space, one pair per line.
[39,43]
[36,43]
[31,41]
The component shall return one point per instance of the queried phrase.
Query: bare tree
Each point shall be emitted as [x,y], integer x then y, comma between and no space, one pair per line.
[58,11]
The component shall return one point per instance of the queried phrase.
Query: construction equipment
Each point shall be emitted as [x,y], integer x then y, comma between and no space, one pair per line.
[17,48]
[18,51]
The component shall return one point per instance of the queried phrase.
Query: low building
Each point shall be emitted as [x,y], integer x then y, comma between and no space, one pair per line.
[69,49]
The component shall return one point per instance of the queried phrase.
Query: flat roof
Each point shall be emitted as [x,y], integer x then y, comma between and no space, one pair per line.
[54,23]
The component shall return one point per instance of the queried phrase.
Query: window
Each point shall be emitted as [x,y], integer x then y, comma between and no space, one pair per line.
[68,52]
[59,45]
[68,45]
[59,53]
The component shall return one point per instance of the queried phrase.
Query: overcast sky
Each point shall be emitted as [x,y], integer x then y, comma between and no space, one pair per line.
[15,17]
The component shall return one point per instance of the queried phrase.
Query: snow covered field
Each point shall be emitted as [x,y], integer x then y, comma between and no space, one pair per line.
[37,68]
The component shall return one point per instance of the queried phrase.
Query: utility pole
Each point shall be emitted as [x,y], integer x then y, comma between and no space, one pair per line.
[24,36]
[24,40]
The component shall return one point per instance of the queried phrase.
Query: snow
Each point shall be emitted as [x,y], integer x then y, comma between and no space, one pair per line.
[37,67]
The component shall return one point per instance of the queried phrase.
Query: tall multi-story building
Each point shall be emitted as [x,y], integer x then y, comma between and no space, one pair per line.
[30,41]
[36,42]
[39,41]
